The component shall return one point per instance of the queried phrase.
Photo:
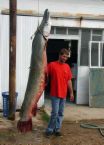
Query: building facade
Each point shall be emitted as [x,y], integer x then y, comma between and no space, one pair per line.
[78,25]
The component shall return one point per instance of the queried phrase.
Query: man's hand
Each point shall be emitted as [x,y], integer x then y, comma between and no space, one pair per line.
[72,98]
[71,91]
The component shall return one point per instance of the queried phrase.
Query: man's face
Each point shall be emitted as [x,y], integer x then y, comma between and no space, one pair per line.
[63,58]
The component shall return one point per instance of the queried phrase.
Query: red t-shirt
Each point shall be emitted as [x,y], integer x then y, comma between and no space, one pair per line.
[59,74]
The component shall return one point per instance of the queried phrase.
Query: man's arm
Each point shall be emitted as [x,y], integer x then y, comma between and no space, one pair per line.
[71,90]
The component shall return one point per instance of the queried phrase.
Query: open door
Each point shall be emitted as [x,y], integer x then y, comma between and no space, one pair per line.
[96,74]
[53,48]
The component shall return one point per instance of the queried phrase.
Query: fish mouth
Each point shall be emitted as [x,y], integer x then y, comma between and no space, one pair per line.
[45,25]
[46,15]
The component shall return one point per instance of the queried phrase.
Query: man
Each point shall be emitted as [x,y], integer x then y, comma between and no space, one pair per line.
[60,80]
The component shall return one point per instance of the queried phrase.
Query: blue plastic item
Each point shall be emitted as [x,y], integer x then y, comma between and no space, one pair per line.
[6,103]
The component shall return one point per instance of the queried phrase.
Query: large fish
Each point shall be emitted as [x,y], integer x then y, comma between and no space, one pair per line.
[37,74]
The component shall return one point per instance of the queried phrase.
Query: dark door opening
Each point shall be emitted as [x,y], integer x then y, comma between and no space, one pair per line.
[53,48]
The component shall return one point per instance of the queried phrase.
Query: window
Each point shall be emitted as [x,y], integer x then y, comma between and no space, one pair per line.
[73,31]
[52,30]
[61,30]
[96,35]
[64,30]
[96,54]
[85,38]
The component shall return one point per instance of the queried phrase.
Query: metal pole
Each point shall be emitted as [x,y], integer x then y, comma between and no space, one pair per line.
[12,59]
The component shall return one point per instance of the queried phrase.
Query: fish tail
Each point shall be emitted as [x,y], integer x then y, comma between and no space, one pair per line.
[24,126]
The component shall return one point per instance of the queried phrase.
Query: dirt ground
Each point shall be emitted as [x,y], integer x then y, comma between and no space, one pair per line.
[73,134]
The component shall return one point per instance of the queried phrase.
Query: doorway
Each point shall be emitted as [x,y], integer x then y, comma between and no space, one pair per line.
[53,48]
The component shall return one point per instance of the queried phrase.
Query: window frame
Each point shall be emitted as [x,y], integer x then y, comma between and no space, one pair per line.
[99,53]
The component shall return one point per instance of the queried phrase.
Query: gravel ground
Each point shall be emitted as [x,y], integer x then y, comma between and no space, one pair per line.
[73,134]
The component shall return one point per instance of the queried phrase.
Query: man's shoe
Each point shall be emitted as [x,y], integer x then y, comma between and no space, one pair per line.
[48,134]
[58,133]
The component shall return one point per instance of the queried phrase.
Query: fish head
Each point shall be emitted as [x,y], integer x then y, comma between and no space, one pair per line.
[45,26]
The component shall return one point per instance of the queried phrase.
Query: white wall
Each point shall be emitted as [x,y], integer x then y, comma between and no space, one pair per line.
[26,26]
[83,85]
[87,9]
